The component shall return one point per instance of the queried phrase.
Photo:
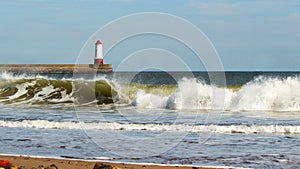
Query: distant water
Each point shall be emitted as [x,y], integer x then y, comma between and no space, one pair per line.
[241,119]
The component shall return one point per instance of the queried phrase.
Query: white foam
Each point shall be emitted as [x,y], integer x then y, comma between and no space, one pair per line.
[64,98]
[41,95]
[193,94]
[21,90]
[190,94]
[267,94]
[222,129]
[10,76]
[149,100]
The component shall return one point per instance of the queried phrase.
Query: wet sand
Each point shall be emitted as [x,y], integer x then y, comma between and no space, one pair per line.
[29,162]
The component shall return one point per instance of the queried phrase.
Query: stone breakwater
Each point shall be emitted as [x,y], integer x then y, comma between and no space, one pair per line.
[55,68]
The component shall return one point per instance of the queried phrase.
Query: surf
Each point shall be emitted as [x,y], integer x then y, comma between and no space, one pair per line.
[260,94]
[221,129]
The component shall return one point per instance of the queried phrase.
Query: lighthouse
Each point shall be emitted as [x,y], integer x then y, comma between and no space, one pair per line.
[98,53]
[98,61]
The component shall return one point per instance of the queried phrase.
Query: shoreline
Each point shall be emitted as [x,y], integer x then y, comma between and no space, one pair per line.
[64,163]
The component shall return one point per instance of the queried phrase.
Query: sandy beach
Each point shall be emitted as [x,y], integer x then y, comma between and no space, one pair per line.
[29,162]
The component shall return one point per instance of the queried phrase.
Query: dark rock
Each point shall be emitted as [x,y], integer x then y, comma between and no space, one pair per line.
[102,166]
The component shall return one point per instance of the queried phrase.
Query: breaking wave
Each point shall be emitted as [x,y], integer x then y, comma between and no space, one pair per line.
[43,90]
[223,129]
[260,94]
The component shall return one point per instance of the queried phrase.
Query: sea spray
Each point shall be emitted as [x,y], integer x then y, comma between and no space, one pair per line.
[194,94]
[149,100]
[263,93]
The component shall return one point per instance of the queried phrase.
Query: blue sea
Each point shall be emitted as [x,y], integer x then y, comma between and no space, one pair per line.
[238,119]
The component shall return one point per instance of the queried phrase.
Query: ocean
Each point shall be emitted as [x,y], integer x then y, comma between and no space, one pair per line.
[247,119]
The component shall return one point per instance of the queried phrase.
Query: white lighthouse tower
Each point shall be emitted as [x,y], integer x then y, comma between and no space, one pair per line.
[98,53]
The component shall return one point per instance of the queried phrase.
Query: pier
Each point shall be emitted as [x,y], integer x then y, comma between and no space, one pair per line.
[97,67]
[56,68]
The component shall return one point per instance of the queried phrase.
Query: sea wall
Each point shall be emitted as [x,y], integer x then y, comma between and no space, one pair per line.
[55,68]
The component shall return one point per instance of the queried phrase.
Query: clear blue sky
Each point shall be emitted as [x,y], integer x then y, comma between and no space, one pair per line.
[248,34]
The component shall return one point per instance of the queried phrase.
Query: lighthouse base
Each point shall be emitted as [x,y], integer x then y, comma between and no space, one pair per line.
[98,61]
[103,67]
